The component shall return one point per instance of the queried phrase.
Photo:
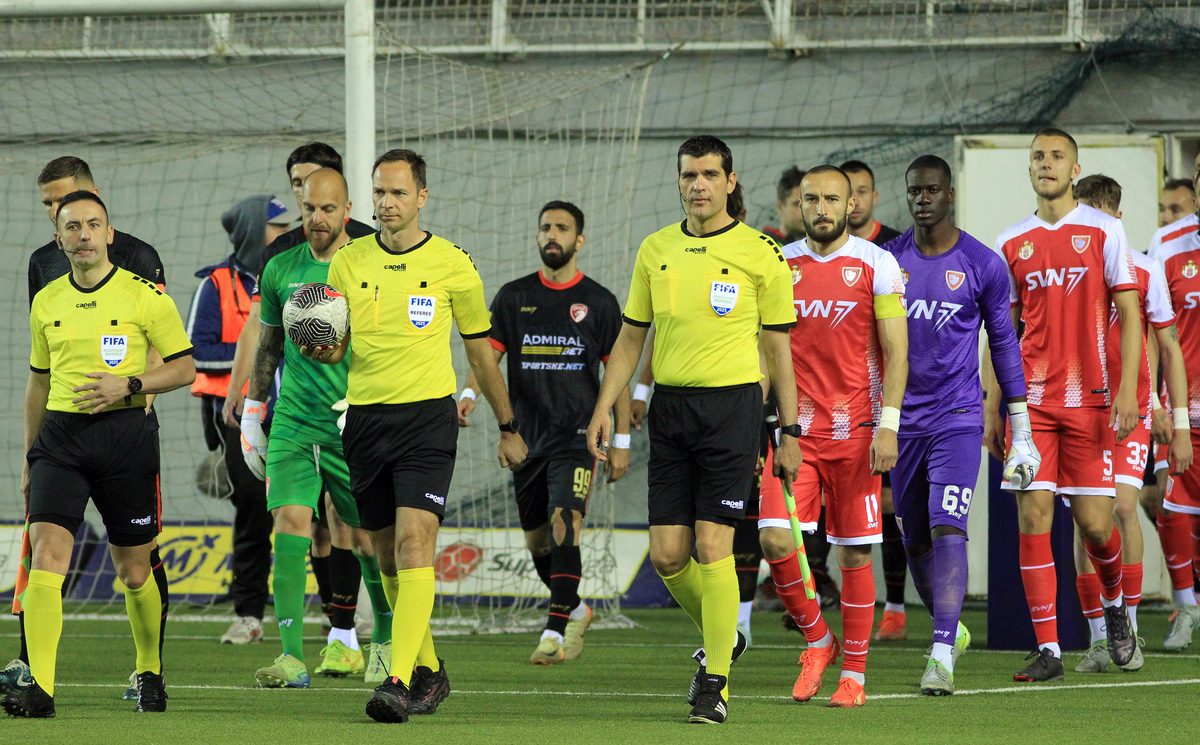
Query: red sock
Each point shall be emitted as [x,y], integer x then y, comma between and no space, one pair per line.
[1041,585]
[1194,536]
[1088,587]
[789,584]
[858,613]
[1107,560]
[1174,533]
[1131,583]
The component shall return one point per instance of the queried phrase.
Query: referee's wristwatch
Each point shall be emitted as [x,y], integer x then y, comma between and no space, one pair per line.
[510,426]
[792,430]
[135,385]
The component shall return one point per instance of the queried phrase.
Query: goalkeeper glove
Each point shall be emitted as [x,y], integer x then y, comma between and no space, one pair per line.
[1023,457]
[341,406]
[254,445]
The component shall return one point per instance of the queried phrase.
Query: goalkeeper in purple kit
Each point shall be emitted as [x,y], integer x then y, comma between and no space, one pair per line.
[953,285]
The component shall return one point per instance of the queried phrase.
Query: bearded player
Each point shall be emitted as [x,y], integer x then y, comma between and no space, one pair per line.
[849,353]
[954,285]
[1065,262]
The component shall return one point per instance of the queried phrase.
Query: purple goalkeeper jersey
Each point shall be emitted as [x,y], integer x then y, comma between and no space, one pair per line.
[949,297]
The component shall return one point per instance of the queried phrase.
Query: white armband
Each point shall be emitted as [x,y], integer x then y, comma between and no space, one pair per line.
[1180,418]
[641,392]
[467,393]
[620,442]
[889,418]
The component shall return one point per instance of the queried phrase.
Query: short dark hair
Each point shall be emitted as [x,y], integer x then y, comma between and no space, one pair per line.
[1179,183]
[790,179]
[79,196]
[701,145]
[1056,132]
[735,204]
[932,162]
[1099,191]
[403,155]
[857,166]
[318,153]
[818,170]
[68,166]
[558,204]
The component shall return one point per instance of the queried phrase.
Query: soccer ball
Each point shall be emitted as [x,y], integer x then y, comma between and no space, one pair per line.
[457,561]
[316,315]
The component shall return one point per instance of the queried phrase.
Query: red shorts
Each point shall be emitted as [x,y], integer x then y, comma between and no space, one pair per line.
[1077,447]
[1132,457]
[839,469]
[1183,491]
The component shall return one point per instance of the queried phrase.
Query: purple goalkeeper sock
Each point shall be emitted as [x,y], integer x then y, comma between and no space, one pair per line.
[950,559]
[921,568]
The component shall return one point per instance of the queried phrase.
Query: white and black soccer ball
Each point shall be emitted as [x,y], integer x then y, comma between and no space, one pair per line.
[316,315]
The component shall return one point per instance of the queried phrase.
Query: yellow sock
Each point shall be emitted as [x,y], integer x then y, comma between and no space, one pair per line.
[391,586]
[720,614]
[43,625]
[144,607]
[427,655]
[410,619]
[687,587]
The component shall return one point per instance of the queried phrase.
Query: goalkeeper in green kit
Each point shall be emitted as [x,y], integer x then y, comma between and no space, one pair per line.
[303,457]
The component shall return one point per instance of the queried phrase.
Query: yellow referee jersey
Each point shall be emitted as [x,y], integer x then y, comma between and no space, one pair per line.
[401,308]
[106,328]
[708,295]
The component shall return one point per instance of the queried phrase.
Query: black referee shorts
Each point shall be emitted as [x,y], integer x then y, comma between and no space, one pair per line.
[559,480]
[400,455]
[704,444]
[111,457]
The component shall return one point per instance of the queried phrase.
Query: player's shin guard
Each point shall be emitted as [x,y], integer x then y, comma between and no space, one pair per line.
[1174,533]
[43,625]
[410,619]
[1107,561]
[895,563]
[922,568]
[747,557]
[1041,586]
[380,604]
[320,569]
[687,587]
[950,587]
[720,606]
[160,579]
[288,586]
[858,613]
[789,584]
[544,566]
[144,607]
[344,577]
[564,586]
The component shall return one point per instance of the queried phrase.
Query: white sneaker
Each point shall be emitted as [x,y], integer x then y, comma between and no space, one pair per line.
[1184,622]
[245,630]
[1095,659]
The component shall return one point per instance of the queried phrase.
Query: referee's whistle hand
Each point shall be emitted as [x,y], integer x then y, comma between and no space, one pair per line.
[599,434]
[788,459]
[465,407]
[512,450]
[104,390]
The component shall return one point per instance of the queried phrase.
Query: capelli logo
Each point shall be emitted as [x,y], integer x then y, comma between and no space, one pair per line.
[435,498]
[86,305]
[736,505]
[700,250]
[396,267]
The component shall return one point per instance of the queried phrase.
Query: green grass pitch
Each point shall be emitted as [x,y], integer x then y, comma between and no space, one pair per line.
[629,686]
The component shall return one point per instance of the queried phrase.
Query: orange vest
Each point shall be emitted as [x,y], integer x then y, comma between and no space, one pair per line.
[235,309]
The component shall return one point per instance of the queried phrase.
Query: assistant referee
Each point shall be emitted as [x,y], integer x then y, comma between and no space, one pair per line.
[708,283]
[405,286]
[87,433]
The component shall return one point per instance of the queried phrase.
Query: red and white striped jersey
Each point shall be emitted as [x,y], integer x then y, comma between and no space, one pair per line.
[1182,226]
[835,344]
[1062,276]
[1180,257]
[1154,305]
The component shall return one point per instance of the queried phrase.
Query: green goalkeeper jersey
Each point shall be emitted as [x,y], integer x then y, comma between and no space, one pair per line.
[309,388]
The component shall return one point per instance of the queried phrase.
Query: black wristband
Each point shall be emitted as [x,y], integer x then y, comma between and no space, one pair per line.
[792,430]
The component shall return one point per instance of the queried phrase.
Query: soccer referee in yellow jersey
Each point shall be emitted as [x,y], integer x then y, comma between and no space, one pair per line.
[406,287]
[87,434]
[709,283]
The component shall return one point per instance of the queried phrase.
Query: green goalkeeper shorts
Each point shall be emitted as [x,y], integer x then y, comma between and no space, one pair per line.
[300,474]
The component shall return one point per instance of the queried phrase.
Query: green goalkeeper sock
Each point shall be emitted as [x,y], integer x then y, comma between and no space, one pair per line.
[288,586]
[379,600]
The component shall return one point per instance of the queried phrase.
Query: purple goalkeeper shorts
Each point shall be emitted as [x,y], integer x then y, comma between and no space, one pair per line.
[934,480]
